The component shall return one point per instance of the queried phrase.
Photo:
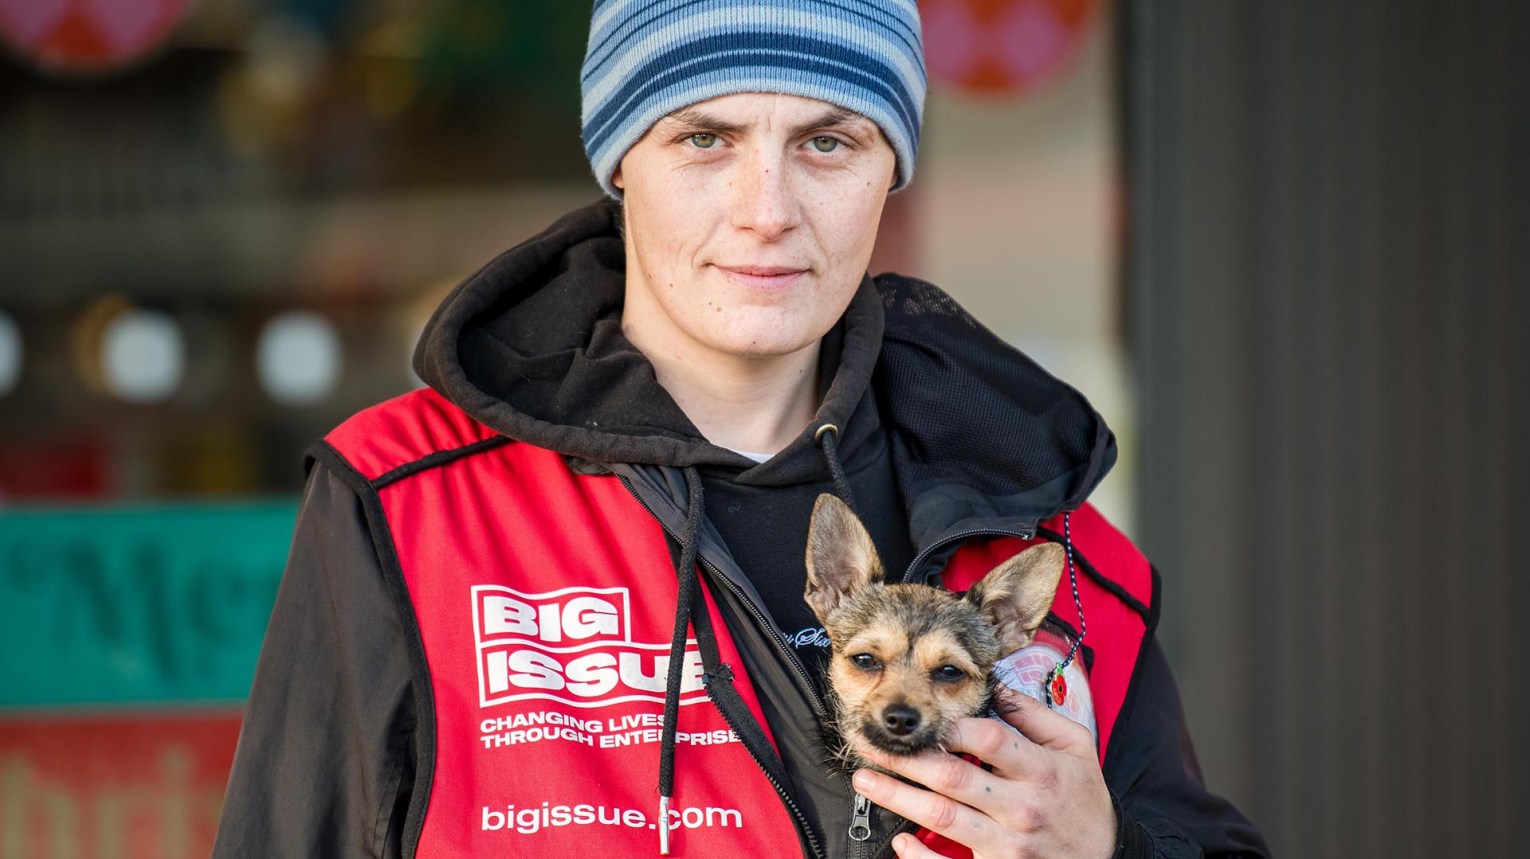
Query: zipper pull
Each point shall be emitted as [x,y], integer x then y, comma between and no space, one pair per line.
[860,819]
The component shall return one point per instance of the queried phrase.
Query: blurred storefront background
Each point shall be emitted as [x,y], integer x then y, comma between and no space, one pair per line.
[1276,244]
[223,224]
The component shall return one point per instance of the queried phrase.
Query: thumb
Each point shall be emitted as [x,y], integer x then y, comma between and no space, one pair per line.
[1041,724]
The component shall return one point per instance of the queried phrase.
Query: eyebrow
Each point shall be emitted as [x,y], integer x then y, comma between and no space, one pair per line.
[834,117]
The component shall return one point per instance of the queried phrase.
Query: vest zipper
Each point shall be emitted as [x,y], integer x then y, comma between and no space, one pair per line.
[1025,533]
[864,841]
[860,821]
[791,804]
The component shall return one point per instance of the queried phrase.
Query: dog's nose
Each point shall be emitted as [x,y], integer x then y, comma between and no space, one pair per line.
[900,720]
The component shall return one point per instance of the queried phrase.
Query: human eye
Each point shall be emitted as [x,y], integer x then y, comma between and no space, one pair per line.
[702,140]
[825,144]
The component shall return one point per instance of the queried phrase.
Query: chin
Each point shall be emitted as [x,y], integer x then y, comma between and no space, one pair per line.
[768,350]
[771,343]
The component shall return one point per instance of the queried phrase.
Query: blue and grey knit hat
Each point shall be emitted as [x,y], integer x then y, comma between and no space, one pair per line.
[648,58]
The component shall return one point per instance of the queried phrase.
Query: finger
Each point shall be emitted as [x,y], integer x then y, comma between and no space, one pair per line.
[934,812]
[1041,724]
[1011,755]
[909,847]
[950,775]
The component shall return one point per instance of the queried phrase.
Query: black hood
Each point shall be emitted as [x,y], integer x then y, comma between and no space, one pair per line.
[985,439]
[532,347]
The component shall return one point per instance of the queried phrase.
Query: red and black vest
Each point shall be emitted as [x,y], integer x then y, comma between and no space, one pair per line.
[544,603]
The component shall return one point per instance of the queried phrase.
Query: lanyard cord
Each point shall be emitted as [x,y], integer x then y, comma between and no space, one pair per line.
[1056,686]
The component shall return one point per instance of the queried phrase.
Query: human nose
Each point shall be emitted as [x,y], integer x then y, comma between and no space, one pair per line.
[764,200]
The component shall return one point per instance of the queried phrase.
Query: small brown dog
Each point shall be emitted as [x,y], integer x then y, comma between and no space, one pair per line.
[909,660]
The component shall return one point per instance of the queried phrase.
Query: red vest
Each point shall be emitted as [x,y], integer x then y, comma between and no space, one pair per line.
[545,602]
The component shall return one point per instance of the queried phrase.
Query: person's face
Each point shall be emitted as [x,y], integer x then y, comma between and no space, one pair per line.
[750,221]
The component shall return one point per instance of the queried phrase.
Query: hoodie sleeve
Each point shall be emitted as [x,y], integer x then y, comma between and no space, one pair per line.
[1164,809]
[325,762]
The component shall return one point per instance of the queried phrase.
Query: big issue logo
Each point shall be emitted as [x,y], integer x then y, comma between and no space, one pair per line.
[574,646]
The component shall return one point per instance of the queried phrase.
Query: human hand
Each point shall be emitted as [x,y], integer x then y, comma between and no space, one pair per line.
[1045,797]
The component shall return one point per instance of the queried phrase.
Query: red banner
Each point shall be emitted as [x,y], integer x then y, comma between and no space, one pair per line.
[125,784]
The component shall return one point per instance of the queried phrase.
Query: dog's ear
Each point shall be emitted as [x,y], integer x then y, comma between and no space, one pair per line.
[1016,594]
[840,556]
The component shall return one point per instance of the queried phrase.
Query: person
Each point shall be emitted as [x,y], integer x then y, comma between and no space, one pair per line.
[553,603]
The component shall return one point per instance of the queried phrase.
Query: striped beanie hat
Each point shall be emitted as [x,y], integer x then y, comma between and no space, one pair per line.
[648,58]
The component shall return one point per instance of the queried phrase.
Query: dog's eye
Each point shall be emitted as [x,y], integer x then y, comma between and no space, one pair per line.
[865,662]
[949,673]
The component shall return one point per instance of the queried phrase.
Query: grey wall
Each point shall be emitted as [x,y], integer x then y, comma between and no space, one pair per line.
[1330,328]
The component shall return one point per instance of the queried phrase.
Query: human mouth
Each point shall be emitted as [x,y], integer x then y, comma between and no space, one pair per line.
[763,276]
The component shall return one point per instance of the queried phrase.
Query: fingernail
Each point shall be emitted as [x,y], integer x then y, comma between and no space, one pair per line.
[862,780]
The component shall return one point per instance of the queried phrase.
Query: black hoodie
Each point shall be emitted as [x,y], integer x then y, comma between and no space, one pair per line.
[943,431]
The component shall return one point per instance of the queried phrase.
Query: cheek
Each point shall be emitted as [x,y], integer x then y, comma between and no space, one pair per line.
[668,224]
[654,233]
[850,232]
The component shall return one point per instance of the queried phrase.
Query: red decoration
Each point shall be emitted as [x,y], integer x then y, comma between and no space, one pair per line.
[1058,688]
[1002,47]
[87,35]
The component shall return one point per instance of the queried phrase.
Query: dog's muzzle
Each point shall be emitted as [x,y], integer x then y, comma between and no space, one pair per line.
[899,730]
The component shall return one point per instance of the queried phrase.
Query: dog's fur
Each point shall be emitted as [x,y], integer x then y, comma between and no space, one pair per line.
[909,660]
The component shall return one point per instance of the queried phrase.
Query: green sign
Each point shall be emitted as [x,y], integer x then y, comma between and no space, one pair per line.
[149,605]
